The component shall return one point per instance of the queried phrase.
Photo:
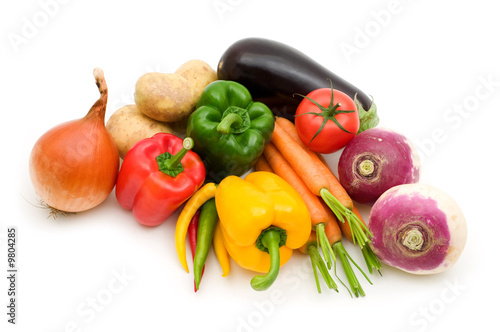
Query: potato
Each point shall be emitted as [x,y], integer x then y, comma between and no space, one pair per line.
[172,97]
[128,125]
[164,97]
[199,74]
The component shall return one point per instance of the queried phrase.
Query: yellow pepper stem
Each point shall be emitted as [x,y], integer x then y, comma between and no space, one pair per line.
[271,241]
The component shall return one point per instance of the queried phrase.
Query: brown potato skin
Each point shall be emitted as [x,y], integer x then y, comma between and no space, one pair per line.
[173,97]
[199,74]
[164,97]
[128,125]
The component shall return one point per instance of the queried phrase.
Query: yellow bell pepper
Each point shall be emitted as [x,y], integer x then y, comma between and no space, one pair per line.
[262,220]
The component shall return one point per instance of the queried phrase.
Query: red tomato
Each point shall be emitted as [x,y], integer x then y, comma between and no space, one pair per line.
[326,120]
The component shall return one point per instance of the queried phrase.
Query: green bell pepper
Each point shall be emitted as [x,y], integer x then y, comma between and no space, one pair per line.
[229,129]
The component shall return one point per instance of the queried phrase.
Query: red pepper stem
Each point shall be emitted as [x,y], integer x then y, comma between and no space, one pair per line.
[187,144]
[271,240]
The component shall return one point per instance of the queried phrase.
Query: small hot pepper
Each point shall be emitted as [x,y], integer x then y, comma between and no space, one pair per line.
[157,175]
[206,226]
[229,129]
[193,238]
[263,219]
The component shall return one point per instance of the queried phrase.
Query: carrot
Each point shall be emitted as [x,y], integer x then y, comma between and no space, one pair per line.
[332,229]
[346,230]
[336,188]
[317,211]
[334,185]
[282,168]
[300,160]
[312,171]
[263,165]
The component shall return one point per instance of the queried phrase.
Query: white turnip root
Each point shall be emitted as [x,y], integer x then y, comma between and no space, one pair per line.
[417,228]
[376,160]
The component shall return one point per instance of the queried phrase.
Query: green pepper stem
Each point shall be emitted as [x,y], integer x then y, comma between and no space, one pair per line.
[230,120]
[270,240]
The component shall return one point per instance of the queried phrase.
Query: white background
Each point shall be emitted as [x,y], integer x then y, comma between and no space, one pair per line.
[426,63]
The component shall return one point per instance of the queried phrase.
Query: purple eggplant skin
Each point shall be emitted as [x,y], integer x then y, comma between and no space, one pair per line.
[274,73]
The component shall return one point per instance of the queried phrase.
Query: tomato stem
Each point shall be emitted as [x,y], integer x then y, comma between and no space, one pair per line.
[328,113]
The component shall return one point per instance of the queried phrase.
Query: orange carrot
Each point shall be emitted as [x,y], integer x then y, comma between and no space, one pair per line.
[318,213]
[332,229]
[336,188]
[282,168]
[312,173]
[263,165]
[300,160]
[334,185]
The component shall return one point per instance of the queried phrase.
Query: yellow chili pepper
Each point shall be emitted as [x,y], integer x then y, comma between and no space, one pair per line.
[262,220]
[220,250]
[193,204]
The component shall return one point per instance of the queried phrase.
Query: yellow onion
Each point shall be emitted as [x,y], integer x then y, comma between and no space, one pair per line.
[74,166]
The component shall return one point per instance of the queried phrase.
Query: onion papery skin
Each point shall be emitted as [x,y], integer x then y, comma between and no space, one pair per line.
[425,210]
[74,166]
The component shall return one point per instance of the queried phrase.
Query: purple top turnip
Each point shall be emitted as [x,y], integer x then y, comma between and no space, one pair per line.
[417,228]
[376,160]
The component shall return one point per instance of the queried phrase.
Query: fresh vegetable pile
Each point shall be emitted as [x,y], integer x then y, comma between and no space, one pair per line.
[240,154]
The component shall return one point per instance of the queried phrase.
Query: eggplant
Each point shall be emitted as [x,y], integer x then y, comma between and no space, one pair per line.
[275,73]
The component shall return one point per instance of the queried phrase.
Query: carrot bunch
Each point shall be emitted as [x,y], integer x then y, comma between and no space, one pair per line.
[329,204]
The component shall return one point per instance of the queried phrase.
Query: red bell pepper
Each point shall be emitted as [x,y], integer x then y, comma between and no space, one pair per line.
[157,175]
